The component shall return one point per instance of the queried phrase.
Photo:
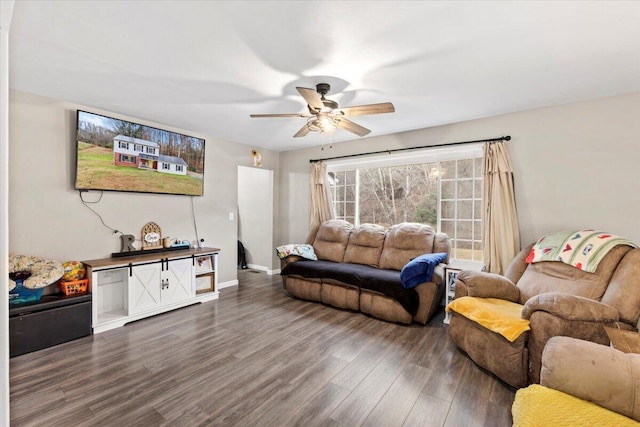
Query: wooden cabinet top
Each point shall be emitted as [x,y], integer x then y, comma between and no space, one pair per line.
[142,258]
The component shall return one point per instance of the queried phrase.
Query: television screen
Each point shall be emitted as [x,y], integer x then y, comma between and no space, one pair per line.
[117,155]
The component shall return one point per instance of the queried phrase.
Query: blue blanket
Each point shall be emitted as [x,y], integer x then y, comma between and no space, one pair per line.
[420,269]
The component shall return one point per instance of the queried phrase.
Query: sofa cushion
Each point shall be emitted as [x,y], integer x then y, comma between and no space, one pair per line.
[404,242]
[365,245]
[386,282]
[331,240]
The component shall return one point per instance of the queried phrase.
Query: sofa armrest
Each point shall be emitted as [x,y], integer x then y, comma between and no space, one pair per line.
[288,260]
[486,285]
[570,307]
[593,372]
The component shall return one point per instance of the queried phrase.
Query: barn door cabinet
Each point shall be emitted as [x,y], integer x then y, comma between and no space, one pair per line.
[125,289]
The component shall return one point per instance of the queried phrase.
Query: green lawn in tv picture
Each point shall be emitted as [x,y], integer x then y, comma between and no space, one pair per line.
[96,170]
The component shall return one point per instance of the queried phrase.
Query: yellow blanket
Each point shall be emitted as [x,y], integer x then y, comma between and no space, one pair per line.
[499,316]
[539,406]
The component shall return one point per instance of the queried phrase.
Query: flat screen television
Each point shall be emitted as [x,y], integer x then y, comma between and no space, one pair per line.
[117,155]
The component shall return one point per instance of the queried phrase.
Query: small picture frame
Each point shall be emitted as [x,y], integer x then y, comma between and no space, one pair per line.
[205,283]
[203,264]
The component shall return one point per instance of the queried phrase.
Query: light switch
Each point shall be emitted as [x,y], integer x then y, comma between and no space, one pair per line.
[230,216]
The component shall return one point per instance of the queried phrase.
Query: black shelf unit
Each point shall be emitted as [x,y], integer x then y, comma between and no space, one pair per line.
[52,320]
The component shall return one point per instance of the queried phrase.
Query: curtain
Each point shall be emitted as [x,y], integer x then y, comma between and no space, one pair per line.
[320,209]
[501,235]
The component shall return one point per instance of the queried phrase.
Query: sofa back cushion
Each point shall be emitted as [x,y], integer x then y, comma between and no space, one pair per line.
[404,242]
[623,291]
[365,245]
[331,240]
[554,276]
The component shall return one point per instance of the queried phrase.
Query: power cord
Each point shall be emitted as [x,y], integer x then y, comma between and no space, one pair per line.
[86,204]
[195,225]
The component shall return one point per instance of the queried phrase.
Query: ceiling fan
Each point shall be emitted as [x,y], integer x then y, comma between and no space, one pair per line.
[325,115]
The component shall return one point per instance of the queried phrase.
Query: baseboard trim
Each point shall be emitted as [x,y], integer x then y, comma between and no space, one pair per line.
[228,284]
[263,268]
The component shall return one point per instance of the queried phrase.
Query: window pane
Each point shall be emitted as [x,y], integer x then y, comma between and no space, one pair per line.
[448,227]
[465,189]
[350,209]
[465,244]
[477,209]
[465,168]
[350,193]
[448,210]
[464,209]
[478,167]
[448,189]
[463,230]
[477,188]
[448,169]
[349,177]
[477,230]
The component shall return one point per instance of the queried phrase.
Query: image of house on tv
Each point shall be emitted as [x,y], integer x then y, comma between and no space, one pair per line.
[143,154]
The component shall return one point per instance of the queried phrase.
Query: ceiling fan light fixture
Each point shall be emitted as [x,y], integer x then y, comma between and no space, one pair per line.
[322,123]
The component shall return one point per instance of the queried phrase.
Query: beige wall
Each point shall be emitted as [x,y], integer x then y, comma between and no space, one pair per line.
[575,166]
[46,217]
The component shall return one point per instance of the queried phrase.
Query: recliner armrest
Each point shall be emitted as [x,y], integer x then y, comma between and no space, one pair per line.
[593,372]
[570,307]
[487,285]
[288,260]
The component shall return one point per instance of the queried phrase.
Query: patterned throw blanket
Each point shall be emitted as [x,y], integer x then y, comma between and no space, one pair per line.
[583,249]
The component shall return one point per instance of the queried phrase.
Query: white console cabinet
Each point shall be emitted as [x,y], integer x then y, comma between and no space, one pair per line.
[130,288]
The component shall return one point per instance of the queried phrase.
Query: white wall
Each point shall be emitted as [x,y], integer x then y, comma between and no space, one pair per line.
[47,219]
[255,215]
[6,12]
[575,166]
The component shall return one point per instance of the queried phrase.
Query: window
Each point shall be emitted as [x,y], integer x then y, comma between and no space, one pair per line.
[124,145]
[439,187]
[127,159]
[178,168]
[165,166]
[151,150]
[138,147]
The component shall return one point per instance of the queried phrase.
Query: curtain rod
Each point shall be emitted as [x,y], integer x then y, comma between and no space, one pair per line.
[502,138]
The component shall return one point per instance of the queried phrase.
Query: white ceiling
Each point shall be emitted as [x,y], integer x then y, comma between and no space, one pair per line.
[204,66]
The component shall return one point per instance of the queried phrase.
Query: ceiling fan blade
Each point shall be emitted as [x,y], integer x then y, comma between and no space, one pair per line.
[352,127]
[361,110]
[312,97]
[257,116]
[302,132]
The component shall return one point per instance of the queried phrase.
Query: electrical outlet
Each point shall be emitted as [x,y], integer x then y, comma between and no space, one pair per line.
[230,216]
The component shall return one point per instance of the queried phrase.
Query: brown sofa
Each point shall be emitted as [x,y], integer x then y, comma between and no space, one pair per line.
[358,268]
[557,299]
[576,376]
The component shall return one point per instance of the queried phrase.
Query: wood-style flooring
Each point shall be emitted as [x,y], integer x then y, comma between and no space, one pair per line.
[257,357]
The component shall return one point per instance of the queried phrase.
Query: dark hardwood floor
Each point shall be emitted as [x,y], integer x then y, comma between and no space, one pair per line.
[257,357]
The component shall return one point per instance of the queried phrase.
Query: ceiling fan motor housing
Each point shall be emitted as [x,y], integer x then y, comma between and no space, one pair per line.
[323,89]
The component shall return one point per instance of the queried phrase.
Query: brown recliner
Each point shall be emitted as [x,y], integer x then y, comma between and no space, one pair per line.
[558,300]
